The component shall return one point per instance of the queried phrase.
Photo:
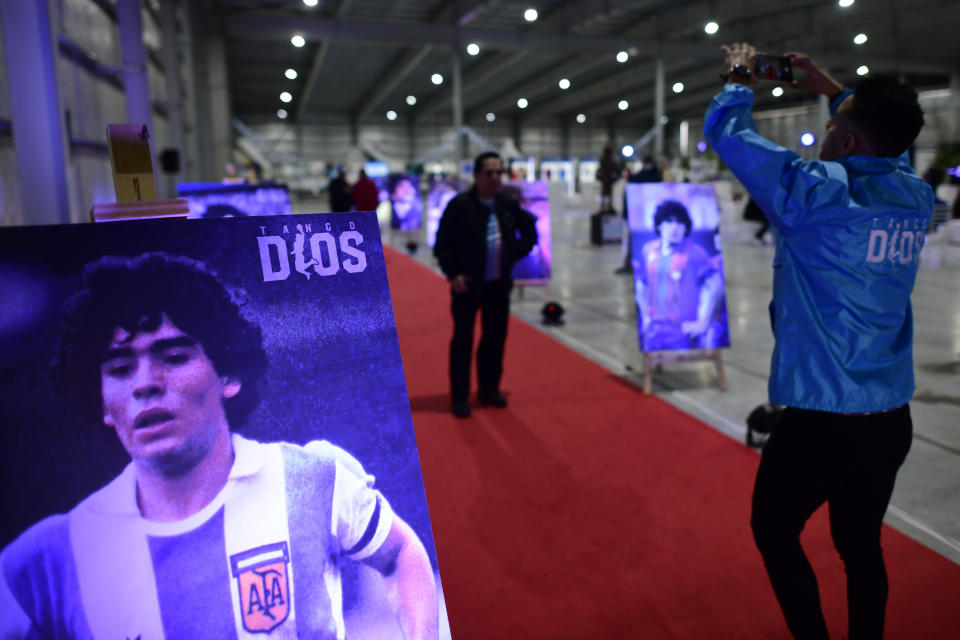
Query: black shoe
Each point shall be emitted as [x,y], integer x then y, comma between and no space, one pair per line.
[495,399]
[460,408]
[622,270]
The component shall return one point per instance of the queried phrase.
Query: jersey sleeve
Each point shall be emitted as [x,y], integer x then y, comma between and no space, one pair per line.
[361,516]
[14,622]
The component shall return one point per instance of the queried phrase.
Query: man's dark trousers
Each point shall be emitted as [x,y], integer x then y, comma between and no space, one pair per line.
[851,462]
[493,300]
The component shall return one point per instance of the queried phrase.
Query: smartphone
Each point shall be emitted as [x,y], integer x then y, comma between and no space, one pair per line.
[777,68]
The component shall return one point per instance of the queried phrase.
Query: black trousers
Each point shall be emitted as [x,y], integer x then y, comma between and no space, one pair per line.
[493,299]
[851,462]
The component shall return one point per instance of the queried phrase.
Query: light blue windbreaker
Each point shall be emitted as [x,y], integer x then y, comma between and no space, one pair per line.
[846,261]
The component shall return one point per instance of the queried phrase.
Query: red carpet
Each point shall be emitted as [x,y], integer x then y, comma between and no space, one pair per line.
[587,510]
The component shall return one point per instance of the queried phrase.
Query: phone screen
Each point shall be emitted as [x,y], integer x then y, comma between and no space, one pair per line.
[777,68]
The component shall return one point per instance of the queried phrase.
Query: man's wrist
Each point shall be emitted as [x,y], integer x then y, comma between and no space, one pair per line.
[739,74]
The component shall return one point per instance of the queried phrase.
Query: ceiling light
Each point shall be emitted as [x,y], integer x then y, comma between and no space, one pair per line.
[664,119]
[411,100]
[291,74]
[436,78]
[391,115]
[564,83]
[677,87]
[860,38]
[473,48]
[491,116]
[522,103]
[622,105]
[281,113]
[530,15]
[627,151]
[623,56]
[298,41]
[311,3]
[286,97]
[807,139]
[845,3]
[863,70]
[701,146]
[777,92]
[711,27]
[581,118]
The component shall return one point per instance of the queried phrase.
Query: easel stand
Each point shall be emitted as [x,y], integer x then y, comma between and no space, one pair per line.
[133,180]
[657,359]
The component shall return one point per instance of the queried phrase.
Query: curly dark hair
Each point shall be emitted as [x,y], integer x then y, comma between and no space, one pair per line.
[889,113]
[134,293]
[672,210]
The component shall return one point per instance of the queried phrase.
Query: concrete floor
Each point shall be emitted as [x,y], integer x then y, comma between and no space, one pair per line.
[601,325]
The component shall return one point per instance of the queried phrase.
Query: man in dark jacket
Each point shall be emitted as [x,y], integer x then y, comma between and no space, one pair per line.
[480,237]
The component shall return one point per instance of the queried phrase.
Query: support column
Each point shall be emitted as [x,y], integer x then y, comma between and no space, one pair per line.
[659,110]
[214,118]
[134,55]
[39,137]
[953,113]
[461,142]
[175,116]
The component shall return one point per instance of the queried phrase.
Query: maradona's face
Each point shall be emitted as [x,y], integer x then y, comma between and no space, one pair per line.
[672,231]
[163,397]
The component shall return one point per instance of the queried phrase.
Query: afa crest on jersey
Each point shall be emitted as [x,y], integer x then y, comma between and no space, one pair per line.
[263,585]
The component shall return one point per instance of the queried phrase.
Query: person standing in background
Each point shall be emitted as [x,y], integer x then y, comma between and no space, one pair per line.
[366,195]
[481,236]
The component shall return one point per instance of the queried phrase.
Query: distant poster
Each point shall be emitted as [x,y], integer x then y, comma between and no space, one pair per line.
[406,206]
[216,200]
[532,196]
[677,266]
[441,193]
[218,409]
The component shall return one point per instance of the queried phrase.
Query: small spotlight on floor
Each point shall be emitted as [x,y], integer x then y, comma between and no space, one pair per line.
[552,313]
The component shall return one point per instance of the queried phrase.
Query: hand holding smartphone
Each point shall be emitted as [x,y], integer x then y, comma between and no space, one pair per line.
[776,68]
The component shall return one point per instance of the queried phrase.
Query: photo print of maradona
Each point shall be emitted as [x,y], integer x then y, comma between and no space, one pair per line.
[206,433]
[677,266]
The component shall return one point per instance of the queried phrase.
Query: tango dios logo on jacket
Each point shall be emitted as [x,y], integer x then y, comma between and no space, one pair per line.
[263,586]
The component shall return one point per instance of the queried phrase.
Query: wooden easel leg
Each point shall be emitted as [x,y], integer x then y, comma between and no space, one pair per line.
[647,374]
[721,376]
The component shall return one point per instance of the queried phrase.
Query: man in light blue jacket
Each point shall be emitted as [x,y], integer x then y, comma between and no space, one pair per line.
[851,229]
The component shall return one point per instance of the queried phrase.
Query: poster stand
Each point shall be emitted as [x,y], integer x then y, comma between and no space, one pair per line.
[656,359]
[133,180]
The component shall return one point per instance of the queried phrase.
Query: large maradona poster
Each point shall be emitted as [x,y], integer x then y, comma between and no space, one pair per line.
[677,266]
[217,408]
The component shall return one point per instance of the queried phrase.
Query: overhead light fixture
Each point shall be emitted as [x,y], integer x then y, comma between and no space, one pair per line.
[391,115]
[282,113]
[311,3]
[808,139]
[291,74]
[491,116]
[863,70]
[845,3]
[522,103]
[678,87]
[530,15]
[777,92]
[286,96]
[436,78]
[581,118]
[627,151]
[664,119]
[623,105]
[860,38]
[473,48]
[701,146]
[711,28]
[564,83]
[298,41]
[411,100]
[622,57]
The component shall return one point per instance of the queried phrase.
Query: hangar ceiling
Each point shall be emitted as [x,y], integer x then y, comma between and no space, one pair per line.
[363,58]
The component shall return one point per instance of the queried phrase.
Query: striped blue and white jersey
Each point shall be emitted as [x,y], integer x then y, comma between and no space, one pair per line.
[263,556]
